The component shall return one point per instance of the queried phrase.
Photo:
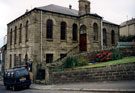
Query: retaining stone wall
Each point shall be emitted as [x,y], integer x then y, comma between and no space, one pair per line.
[109,73]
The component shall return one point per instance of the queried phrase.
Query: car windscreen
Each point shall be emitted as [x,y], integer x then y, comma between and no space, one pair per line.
[21,73]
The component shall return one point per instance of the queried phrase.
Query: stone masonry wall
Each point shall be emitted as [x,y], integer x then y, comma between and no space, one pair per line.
[109,73]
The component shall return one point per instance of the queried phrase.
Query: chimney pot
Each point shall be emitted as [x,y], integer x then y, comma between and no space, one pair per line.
[70,6]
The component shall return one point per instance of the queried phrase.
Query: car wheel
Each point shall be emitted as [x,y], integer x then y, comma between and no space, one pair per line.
[28,86]
[13,88]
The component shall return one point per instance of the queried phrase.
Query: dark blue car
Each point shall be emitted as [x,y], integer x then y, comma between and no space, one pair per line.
[17,77]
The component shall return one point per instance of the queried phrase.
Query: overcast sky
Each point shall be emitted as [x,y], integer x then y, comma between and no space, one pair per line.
[115,11]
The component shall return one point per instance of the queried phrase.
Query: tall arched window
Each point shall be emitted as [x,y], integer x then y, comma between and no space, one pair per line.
[63,31]
[113,37]
[49,30]
[95,30]
[104,37]
[15,37]
[11,37]
[20,34]
[74,32]
[27,28]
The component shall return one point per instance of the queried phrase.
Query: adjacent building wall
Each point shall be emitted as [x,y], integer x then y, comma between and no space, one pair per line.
[127,28]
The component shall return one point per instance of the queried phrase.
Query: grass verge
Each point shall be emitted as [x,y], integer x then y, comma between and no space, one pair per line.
[115,62]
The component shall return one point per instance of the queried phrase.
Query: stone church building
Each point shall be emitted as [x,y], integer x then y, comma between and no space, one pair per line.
[47,33]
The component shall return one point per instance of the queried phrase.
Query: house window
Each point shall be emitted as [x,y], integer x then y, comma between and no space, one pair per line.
[11,37]
[27,28]
[20,59]
[20,34]
[15,35]
[49,32]
[49,58]
[75,33]
[10,64]
[95,30]
[26,59]
[63,31]
[113,37]
[15,60]
[104,37]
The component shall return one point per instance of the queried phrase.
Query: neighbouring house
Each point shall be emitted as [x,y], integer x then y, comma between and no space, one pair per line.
[44,34]
[0,59]
[127,28]
[4,56]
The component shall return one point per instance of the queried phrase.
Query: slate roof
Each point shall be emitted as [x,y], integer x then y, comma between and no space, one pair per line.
[104,21]
[63,10]
[59,9]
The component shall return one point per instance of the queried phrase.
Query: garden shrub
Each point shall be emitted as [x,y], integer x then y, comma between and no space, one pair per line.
[71,62]
[82,62]
[117,54]
[103,56]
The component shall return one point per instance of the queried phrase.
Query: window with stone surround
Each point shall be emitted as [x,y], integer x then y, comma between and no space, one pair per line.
[10,64]
[20,34]
[95,30]
[74,32]
[27,29]
[20,59]
[49,29]
[104,37]
[63,31]
[15,60]
[112,37]
[15,33]
[11,36]
[49,58]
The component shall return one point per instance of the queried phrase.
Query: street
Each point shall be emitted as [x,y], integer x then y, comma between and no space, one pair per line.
[3,90]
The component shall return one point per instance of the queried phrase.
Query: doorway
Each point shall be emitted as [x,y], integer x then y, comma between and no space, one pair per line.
[83,38]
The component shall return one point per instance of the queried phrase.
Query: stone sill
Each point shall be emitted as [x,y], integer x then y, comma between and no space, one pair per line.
[49,39]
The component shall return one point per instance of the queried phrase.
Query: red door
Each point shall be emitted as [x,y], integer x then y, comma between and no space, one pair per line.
[83,42]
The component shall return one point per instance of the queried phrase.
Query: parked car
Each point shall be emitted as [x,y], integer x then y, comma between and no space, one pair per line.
[16,77]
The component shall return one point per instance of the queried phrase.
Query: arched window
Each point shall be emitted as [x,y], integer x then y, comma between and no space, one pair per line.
[49,30]
[15,37]
[104,37]
[20,34]
[63,31]
[27,27]
[74,32]
[113,37]
[11,37]
[95,29]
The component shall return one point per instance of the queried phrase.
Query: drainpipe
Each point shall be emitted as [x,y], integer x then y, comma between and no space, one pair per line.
[102,34]
[41,35]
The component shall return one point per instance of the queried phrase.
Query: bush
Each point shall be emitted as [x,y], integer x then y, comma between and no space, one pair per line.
[103,56]
[82,62]
[70,62]
[127,38]
[117,54]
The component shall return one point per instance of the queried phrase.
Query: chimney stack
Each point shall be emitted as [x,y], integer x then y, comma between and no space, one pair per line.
[84,7]
[70,6]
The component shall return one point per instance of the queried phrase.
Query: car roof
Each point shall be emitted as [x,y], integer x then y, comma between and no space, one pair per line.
[14,69]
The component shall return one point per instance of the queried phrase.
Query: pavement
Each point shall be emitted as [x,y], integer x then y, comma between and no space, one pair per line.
[107,86]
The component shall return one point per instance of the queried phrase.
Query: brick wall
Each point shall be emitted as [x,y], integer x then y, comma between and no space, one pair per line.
[109,73]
